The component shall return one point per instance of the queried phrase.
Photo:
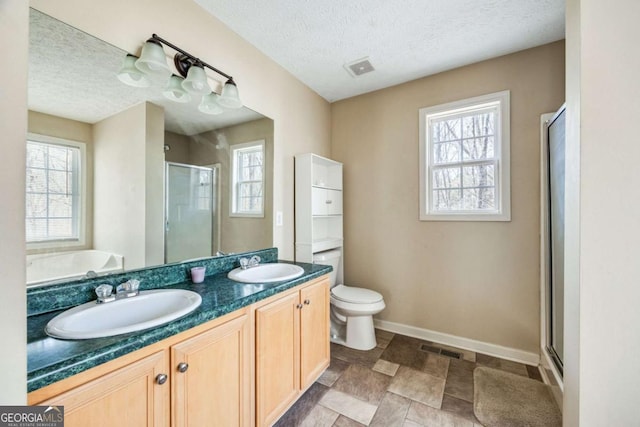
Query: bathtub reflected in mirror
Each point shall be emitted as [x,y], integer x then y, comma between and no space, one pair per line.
[53,267]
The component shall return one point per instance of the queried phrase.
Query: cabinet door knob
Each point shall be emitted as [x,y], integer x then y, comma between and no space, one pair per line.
[161,378]
[307,302]
[182,367]
[299,306]
[329,202]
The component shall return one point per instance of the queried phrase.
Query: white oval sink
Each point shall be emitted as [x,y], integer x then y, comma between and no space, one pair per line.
[146,310]
[266,273]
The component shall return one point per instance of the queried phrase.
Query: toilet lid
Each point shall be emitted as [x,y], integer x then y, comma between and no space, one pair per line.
[355,295]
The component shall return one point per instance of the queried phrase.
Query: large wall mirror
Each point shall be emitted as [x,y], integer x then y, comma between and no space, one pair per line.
[122,178]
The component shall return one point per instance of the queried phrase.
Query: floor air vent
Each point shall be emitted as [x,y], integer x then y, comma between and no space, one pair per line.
[448,353]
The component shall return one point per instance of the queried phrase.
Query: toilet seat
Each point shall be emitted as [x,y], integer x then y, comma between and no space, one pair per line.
[355,295]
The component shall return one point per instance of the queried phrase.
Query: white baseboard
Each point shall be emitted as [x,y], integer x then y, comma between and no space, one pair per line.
[508,353]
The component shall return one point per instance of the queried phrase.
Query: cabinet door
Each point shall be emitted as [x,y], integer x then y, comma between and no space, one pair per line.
[214,390]
[277,357]
[127,397]
[318,201]
[333,202]
[314,332]
[326,202]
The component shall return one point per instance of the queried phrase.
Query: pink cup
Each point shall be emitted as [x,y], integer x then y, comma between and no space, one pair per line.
[197,274]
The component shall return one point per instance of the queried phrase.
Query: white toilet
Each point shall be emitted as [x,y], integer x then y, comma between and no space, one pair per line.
[352,308]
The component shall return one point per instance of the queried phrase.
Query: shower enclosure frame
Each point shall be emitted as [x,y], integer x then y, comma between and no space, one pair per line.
[549,358]
[215,204]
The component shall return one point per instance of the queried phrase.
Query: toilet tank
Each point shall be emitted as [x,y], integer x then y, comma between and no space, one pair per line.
[331,258]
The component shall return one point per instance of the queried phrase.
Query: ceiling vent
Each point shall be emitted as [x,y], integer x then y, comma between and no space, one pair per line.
[359,67]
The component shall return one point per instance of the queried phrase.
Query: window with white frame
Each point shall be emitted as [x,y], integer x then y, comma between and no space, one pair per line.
[464,160]
[247,172]
[54,205]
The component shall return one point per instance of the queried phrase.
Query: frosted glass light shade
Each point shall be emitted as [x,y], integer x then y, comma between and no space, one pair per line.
[130,75]
[196,81]
[209,104]
[152,60]
[229,98]
[174,90]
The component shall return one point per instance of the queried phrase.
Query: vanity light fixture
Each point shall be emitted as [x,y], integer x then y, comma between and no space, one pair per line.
[211,104]
[229,97]
[196,81]
[152,64]
[129,73]
[175,90]
[152,60]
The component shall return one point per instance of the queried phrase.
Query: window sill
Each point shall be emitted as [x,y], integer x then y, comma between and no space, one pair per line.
[247,215]
[62,245]
[475,217]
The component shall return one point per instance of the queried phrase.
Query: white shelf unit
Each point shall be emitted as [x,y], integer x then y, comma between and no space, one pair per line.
[318,203]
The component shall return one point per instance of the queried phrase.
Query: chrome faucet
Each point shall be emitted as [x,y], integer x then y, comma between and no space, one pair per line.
[127,289]
[251,262]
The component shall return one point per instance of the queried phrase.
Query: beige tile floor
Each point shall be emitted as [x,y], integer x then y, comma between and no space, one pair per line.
[395,384]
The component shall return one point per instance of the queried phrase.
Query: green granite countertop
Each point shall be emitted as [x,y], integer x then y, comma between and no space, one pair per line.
[50,359]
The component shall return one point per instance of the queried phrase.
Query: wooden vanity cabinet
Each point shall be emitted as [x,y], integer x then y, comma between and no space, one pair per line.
[128,396]
[211,378]
[200,377]
[206,376]
[292,347]
[314,332]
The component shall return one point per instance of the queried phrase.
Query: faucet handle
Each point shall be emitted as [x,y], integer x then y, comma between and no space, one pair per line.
[104,291]
[133,285]
[128,286]
[244,263]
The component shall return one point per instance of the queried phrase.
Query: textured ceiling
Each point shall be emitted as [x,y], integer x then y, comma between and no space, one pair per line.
[73,75]
[404,40]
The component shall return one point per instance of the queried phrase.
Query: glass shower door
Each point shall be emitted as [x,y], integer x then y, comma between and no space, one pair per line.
[189,199]
[556,153]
